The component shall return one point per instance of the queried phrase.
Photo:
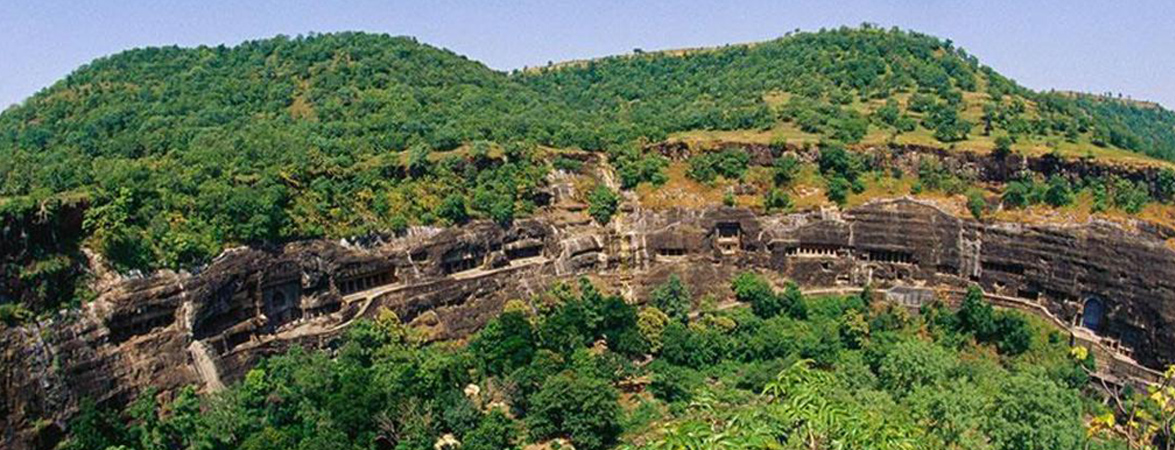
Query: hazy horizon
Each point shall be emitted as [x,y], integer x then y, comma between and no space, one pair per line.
[1082,46]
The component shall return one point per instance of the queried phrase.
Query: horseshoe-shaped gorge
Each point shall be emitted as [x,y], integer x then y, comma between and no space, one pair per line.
[850,238]
[1109,286]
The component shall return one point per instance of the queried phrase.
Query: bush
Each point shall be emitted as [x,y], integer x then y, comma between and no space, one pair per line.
[786,169]
[673,298]
[912,364]
[750,288]
[1059,192]
[730,164]
[777,200]
[1017,194]
[582,407]
[838,190]
[602,204]
[567,164]
[452,209]
[976,204]
[1014,335]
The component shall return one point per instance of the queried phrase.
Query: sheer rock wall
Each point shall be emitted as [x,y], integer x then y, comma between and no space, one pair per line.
[208,328]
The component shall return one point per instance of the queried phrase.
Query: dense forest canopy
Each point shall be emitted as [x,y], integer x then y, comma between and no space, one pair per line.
[175,153]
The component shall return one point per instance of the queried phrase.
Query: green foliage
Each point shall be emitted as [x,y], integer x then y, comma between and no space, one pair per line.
[825,372]
[785,170]
[506,343]
[1008,332]
[838,190]
[1166,185]
[1003,145]
[494,432]
[750,288]
[1129,196]
[602,204]
[1059,192]
[575,405]
[673,299]
[567,164]
[976,203]
[634,166]
[914,364]
[182,152]
[1032,413]
[730,164]
[777,200]
[453,209]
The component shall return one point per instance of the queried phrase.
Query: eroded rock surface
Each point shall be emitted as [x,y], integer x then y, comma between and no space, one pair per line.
[208,328]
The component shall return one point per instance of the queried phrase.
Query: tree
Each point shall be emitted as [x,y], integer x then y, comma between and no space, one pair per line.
[976,315]
[777,200]
[602,204]
[1059,193]
[495,432]
[751,288]
[1033,413]
[838,190]
[976,204]
[1017,194]
[1165,185]
[912,364]
[652,322]
[506,343]
[673,298]
[1015,337]
[791,302]
[1003,146]
[578,406]
[785,170]
[453,209]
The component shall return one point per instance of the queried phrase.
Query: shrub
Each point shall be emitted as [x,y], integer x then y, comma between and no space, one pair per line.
[602,204]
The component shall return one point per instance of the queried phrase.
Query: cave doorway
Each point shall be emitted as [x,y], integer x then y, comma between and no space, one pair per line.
[1093,314]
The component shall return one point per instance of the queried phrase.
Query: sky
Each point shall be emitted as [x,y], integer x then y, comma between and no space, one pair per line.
[1119,46]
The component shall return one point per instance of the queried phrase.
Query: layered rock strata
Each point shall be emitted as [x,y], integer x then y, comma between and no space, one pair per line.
[208,328]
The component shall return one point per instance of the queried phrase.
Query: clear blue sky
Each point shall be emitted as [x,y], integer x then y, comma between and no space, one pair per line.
[1095,46]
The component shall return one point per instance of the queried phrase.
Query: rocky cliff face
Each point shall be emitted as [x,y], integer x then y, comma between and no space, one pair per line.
[208,328]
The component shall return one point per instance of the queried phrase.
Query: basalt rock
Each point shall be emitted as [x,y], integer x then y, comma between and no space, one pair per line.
[209,327]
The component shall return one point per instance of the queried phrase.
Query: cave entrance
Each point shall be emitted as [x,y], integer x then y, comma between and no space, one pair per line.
[282,304]
[729,237]
[1093,314]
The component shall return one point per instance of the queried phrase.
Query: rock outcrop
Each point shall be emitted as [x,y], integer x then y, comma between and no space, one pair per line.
[208,328]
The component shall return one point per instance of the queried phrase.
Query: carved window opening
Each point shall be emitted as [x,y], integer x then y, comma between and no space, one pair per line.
[419,256]
[1014,269]
[530,251]
[461,261]
[363,281]
[813,250]
[671,251]
[323,310]
[123,328]
[891,256]
[238,338]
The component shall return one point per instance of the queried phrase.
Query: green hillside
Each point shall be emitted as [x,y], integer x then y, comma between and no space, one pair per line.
[171,154]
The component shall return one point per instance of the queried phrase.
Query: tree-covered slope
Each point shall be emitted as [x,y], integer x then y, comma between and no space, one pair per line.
[172,154]
[837,83]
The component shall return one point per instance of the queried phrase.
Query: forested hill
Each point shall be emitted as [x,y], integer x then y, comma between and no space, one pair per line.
[172,154]
[838,83]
